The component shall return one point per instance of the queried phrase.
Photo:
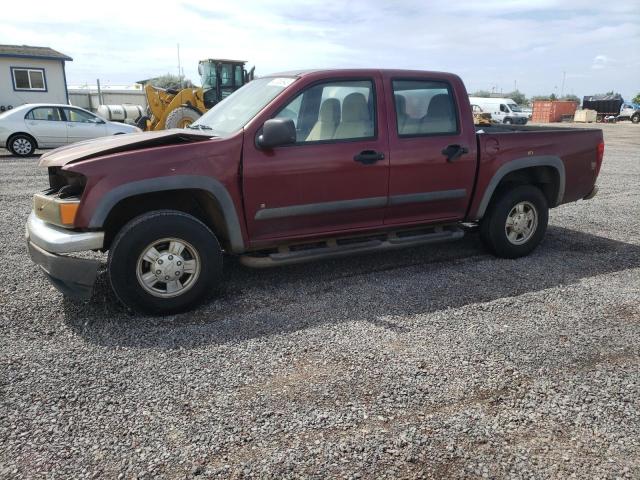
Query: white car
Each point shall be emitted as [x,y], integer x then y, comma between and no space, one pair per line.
[36,125]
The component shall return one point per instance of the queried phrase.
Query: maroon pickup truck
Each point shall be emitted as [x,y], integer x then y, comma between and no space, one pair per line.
[299,166]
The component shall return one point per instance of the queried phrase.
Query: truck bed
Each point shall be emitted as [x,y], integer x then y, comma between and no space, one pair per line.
[577,148]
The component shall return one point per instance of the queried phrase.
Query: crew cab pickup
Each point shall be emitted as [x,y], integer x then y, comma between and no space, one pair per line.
[300,166]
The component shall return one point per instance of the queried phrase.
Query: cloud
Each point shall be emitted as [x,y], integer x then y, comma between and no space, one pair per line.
[600,62]
[489,43]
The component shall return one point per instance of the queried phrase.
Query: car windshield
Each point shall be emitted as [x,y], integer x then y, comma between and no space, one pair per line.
[514,107]
[235,111]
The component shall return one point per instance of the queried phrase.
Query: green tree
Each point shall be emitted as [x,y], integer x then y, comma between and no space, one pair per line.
[170,80]
[540,97]
[553,97]
[518,97]
[571,98]
[636,99]
[481,93]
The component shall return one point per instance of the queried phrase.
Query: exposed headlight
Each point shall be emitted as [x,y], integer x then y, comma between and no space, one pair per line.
[56,210]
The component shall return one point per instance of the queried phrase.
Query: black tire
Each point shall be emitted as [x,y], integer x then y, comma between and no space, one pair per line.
[493,229]
[141,122]
[636,118]
[138,235]
[22,145]
[508,121]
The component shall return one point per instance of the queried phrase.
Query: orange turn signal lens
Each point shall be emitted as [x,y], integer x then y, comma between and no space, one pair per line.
[68,212]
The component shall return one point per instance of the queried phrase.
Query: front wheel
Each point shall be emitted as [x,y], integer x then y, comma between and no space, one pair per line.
[181,117]
[508,121]
[636,118]
[164,262]
[515,222]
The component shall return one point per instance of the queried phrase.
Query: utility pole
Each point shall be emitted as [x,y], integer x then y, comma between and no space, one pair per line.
[179,69]
[564,75]
[99,92]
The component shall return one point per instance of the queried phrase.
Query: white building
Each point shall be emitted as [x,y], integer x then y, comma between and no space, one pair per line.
[32,75]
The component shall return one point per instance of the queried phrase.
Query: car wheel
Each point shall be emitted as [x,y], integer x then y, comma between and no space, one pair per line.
[22,145]
[515,222]
[508,121]
[164,262]
[636,118]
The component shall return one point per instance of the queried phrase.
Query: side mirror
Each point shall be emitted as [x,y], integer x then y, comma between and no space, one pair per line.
[277,132]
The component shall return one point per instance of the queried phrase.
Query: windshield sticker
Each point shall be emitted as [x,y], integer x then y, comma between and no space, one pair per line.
[281,82]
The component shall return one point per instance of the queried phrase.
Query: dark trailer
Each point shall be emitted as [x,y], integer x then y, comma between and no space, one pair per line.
[605,105]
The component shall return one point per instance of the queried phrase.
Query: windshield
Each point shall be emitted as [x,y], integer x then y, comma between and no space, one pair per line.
[235,111]
[514,107]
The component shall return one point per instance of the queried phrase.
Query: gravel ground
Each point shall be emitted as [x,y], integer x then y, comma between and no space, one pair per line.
[432,362]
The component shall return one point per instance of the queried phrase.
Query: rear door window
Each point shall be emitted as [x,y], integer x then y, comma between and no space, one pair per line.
[424,107]
[44,113]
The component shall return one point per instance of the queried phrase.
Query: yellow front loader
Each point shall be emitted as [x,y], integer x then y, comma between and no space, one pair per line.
[169,108]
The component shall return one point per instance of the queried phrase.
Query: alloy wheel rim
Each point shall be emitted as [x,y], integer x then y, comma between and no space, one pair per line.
[168,267]
[521,223]
[22,146]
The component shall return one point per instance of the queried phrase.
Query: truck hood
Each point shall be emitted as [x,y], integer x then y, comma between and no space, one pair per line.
[119,143]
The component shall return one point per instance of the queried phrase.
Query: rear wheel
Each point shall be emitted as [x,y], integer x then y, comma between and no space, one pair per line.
[515,222]
[22,145]
[508,121]
[181,117]
[636,118]
[164,262]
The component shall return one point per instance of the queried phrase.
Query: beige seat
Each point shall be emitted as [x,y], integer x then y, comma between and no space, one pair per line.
[328,120]
[440,117]
[356,122]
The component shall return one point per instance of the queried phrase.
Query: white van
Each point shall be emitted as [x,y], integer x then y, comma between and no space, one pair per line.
[502,110]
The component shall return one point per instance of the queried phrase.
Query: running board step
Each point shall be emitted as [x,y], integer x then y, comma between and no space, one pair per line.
[335,248]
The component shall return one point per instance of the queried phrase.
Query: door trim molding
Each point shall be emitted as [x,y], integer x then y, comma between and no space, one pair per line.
[357,204]
[319,208]
[427,196]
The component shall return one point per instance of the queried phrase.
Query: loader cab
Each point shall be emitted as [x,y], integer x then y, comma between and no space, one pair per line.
[220,78]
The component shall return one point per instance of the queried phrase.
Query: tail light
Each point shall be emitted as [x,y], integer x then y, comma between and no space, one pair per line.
[599,157]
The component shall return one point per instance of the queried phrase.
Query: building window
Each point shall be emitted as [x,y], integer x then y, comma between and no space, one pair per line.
[29,79]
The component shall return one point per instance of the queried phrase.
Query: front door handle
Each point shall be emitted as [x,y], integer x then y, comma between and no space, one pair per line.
[453,152]
[369,157]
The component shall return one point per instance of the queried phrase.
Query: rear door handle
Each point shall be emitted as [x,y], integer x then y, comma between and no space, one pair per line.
[453,152]
[368,157]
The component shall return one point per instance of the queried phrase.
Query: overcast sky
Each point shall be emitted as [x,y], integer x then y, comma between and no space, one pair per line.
[489,43]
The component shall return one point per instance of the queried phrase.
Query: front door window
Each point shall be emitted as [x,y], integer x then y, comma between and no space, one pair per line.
[333,111]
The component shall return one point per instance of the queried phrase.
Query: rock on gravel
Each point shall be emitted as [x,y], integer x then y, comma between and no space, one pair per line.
[435,362]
